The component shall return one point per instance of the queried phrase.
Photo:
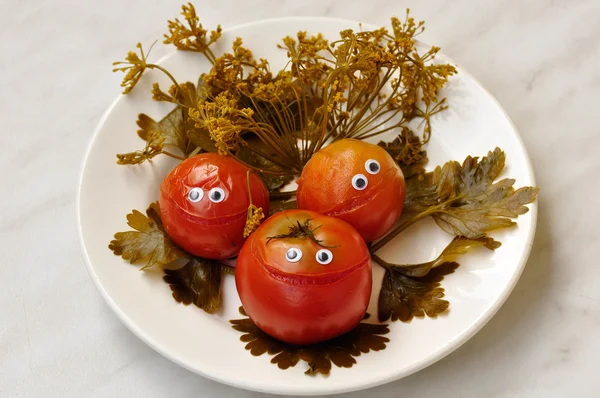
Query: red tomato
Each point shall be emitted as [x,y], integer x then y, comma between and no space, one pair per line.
[301,291]
[357,182]
[204,202]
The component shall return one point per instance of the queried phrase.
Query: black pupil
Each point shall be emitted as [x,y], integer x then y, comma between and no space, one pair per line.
[292,254]
[216,195]
[323,256]
[360,182]
[194,195]
[373,167]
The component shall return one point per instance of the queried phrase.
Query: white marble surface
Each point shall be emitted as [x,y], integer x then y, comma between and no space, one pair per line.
[59,339]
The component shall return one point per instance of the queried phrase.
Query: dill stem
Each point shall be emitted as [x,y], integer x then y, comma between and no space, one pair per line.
[172,155]
[394,232]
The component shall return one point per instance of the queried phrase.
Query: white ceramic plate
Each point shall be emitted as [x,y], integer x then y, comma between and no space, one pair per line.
[206,344]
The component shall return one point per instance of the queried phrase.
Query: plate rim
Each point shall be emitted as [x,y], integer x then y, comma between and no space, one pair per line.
[460,339]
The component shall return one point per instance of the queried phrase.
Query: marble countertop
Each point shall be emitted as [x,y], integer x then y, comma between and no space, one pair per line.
[58,338]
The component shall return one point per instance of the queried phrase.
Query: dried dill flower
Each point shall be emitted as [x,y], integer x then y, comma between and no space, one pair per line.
[192,37]
[255,216]
[357,86]
[224,121]
[154,147]
[136,65]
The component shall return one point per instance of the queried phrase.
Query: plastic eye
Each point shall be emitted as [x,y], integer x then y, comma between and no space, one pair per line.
[195,195]
[216,195]
[372,166]
[293,255]
[360,182]
[324,256]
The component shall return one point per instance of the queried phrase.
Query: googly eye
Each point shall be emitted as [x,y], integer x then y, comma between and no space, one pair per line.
[293,255]
[324,256]
[216,195]
[372,166]
[195,195]
[360,182]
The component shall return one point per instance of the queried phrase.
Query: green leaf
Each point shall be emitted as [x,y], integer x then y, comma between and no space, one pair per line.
[341,351]
[464,200]
[454,181]
[170,129]
[198,282]
[403,297]
[149,244]
[492,211]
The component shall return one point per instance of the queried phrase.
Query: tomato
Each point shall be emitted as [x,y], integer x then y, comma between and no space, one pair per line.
[357,182]
[204,202]
[300,290]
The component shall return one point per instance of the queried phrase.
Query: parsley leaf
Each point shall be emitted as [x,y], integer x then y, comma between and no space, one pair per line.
[170,129]
[410,290]
[149,244]
[340,351]
[198,282]
[492,210]
[403,297]
[463,199]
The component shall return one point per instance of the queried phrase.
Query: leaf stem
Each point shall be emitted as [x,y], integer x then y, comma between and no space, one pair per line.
[169,75]
[172,155]
[380,261]
[392,234]
[249,190]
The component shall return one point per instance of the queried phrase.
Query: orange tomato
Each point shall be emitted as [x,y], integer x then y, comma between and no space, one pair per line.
[357,182]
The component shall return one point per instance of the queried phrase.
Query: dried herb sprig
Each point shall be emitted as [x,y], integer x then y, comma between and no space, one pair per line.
[364,84]
[301,230]
[358,86]
[135,68]
[192,37]
[255,214]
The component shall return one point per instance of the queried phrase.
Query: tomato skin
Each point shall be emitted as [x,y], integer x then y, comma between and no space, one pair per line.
[326,187]
[204,228]
[304,302]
